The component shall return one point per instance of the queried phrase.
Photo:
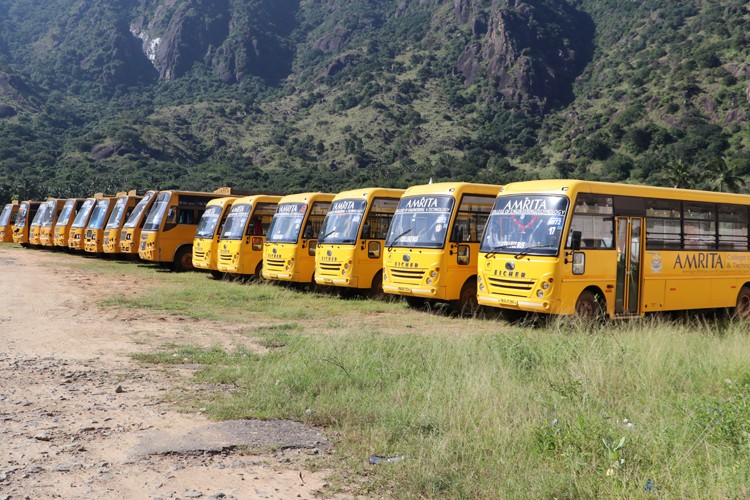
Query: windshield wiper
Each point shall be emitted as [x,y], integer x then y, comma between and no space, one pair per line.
[497,249]
[526,250]
[398,237]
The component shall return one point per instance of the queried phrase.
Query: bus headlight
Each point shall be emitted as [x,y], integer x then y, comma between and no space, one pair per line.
[481,287]
[545,285]
[385,276]
[289,264]
[429,281]
[540,293]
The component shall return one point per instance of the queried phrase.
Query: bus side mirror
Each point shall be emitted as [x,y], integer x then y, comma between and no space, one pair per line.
[575,243]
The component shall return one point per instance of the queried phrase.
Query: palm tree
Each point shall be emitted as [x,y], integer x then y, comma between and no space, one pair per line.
[720,174]
[679,175]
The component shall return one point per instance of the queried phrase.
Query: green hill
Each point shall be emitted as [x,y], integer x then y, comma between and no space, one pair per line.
[289,94]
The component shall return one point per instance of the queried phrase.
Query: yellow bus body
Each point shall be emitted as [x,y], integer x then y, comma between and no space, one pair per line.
[206,238]
[432,245]
[7,217]
[26,213]
[616,249]
[168,233]
[350,247]
[289,252]
[44,211]
[77,232]
[240,247]
[47,226]
[93,240]
[130,234]
[65,220]
[123,208]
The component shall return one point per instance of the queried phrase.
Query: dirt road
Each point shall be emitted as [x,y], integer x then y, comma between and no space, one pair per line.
[80,419]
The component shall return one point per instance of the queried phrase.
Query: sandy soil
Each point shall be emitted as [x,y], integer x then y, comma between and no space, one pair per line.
[80,419]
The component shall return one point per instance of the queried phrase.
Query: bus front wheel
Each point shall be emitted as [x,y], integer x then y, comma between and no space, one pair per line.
[376,289]
[588,306]
[743,303]
[467,304]
[415,302]
[183,259]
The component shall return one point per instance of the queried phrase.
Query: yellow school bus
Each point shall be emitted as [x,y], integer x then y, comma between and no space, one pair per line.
[432,244]
[350,246]
[207,234]
[167,235]
[65,220]
[26,213]
[7,216]
[78,227]
[130,234]
[244,234]
[93,241]
[48,221]
[44,211]
[594,248]
[289,252]
[124,206]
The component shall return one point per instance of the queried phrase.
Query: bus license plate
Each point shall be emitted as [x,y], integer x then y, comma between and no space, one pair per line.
[404,289]
[509,302]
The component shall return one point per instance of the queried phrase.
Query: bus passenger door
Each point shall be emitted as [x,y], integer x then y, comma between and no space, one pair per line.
[629,272]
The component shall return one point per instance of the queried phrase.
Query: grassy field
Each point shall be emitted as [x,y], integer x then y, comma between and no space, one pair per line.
[477,408]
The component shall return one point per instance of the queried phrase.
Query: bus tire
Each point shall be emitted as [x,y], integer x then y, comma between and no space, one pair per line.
[742,310]
[588,306]
[183,259]
[467,303]
[376,289]
[218,275]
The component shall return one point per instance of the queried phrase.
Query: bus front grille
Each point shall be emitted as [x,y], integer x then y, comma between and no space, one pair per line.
[277,264]
[199,255]
[330,267]
[225,257]
[518,288]
[407,274]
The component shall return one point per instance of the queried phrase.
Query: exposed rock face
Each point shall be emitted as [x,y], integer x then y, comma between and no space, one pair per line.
[236,40]
[515,49]
[194,28]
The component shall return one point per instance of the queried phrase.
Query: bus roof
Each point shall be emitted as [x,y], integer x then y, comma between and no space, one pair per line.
[259,198]
[613,188]
[223,201]
[454,188]
[369,192]
[307,197]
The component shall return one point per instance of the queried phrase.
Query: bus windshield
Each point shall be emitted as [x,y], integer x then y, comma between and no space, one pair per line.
[153,221]
[234,227]
[41,213]
[83,213]
[208,222]
[525,224]
[21,215]
[421,221]
[115,218]
[67,210]
[287,223]
[5,216]
[342,222]
[98,215]
[46,219]
[138,210]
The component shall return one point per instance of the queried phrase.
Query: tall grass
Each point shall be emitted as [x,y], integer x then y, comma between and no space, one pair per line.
[536,412]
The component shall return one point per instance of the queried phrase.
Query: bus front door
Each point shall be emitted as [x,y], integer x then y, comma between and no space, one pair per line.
[629,258]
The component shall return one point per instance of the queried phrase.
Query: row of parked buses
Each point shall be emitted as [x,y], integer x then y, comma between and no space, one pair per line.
[554,246]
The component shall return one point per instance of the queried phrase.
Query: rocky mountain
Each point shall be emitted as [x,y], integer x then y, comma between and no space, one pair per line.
[307,94]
